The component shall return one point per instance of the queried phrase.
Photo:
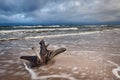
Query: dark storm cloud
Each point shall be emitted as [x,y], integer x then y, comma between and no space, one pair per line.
[43,11]
[19,9]
[20,5]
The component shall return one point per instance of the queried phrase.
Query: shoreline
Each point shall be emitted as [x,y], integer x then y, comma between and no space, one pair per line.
[90,56]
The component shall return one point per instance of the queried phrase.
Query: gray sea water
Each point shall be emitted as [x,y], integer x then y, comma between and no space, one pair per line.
[21,32]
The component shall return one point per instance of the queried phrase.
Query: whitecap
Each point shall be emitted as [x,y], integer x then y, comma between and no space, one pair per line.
[62,35]
[34,30]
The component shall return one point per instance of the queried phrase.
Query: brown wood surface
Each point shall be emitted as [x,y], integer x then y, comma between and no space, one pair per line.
[44,55]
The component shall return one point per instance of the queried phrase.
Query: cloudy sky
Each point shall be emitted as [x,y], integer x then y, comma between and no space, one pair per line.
[59,11]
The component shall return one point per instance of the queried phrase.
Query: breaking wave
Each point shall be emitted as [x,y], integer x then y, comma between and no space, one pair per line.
[45,32]
[35,30]
[49,36]
[23,33]
[62,35]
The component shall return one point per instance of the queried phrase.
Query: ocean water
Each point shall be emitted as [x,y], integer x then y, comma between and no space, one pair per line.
[23,32]
[25,37]
[93,52]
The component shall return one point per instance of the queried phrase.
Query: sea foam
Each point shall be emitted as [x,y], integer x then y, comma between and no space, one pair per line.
[35,30]
[62,35]
[115,70]
[34,75]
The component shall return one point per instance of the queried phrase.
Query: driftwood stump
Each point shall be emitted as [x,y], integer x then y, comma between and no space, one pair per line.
[44,56]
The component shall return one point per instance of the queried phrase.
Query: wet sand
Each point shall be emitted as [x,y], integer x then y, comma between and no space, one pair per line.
[88,57]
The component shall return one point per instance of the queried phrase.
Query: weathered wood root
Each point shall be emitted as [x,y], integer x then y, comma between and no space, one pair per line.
[32,59]
[44,56]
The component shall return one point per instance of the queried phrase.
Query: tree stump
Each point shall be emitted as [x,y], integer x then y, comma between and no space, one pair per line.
[44,56]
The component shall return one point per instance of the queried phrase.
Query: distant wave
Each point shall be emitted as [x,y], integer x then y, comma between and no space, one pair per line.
[62,35]
[16,35]
[51,36]
[36,30]
[40,26]
[7,39]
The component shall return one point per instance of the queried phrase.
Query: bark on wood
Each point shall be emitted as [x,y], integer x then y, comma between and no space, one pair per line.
[44,56]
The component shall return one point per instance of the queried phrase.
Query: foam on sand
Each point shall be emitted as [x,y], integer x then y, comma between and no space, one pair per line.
[116,70]
[34,75]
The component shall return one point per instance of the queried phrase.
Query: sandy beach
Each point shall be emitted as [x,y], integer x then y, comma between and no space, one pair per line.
[89,56]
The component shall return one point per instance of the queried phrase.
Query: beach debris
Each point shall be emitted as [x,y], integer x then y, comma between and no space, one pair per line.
[44,56]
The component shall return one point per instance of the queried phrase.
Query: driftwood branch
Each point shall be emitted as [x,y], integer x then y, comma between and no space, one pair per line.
[44,56]
[37,54]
